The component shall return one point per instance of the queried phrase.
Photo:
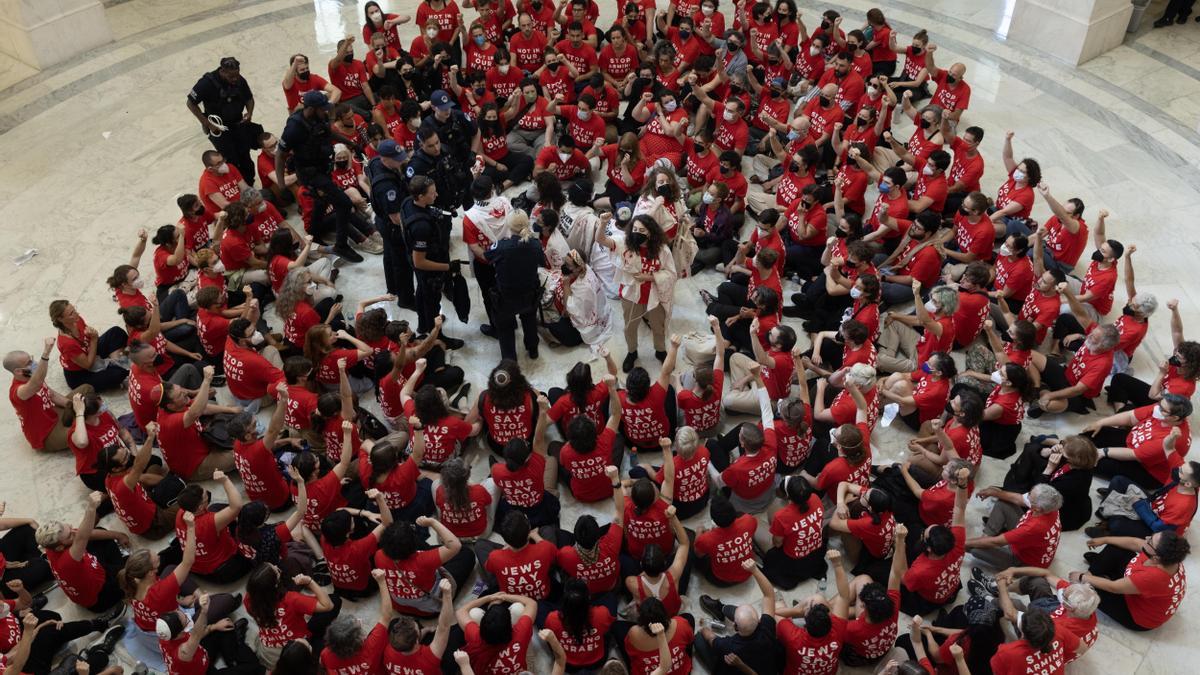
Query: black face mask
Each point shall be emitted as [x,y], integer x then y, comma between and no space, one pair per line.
[349,57]
[1174,360]
[963,211]
[553,66]
[861,122]
[840,234]
[1128,311]
[725,171]
[406,74]
[198,212]
[1097,256]
[303,76]
[824,25]
[771,93]
[635,239]
[826,101]
[795,167]
[663,191]
[925,124]
[733,46]
[851,47]
[342,164]
[951,80]
[916,51]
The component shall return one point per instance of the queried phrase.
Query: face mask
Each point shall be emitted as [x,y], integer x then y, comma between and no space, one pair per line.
[553,66]
[824,25]
[1174,360]
[872,91]
[303,76]
[813,51]
[728,115]
[564,156]
[670,106]
[431,33]
[222,169]
[733,46]
[1128,311]
[884,187]
[685,34]
[771,93]
[930,307]
[480,91]
[997,377]
[706,10]
[635,239]
[406,74]
[1018,175]
[138,283]
[585,115]
[349,58]
[927,171]
[708,198]
[851,47]
[833,436]
[793,135]
[855,292]
[951,80]
[219,267]
[311,288]
[262,207]
[725,171]
[530,96]
[503,68]
[257,339]
[925,124]
[840,234]
[376,17]
[342,164]
[1097,256]
[826,101]
[862,122]
[1158,413]
[663,191]
[916,51]
[1005,250]
[926,368]
[479,40]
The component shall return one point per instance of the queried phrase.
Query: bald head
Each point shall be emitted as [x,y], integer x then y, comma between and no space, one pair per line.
[958,70]
[829,91]
[17,362]
[745,620]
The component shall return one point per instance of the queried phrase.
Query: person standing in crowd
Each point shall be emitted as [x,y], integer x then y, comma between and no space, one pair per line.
[427,233]
[224,105]
[389,187]
[516,260]
[307,145]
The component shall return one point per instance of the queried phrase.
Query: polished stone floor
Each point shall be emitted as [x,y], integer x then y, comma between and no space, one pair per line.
[99,147]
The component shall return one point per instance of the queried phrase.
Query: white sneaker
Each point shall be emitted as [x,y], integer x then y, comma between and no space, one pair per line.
[889,414]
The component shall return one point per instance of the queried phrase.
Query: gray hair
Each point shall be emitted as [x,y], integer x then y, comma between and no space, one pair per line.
[1081,600]
[1144,303]
[1108,338]
[1045,498]
[251,195]
[293,290]
[862,375]
[687,440]
[946,298]
[344,636]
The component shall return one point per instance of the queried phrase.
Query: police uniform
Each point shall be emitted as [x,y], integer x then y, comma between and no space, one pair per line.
[388,191]
[228,101]
[456,134]
[518,292]
[427,229]
[311,144]
[453,179]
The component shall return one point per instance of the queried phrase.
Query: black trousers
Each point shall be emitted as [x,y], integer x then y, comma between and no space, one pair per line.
[485,276]
[511,306]
[19,545]
[110,341]
[51,639]
[429,298]
[397,268]
[326,193]
[235,145]
[1178,10]
[1126,392]
[732,297]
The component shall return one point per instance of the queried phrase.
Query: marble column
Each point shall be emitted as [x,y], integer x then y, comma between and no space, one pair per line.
[1073,31]
[42,33]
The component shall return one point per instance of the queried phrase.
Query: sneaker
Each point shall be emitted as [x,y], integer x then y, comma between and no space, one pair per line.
[239,629]
[488,330]
[629,362]
[986,580]
[707,298]
[1035,411]
[977,589]
[1095,531]
[141,669]
[463,392]
[889,414]
[109,642]
[39,602]
[479,587]
[661,356]
[113,614]
[348,254]
[720,267]
[715,608]
[451,343]
[533,353]
[1090,557]
[371,245]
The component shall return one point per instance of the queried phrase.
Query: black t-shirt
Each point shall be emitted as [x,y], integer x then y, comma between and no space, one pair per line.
[759,651]
[424,232]
[310,141]
[215,96]
[516,263]
[388,189]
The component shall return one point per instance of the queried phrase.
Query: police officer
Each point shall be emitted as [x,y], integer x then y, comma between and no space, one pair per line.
[307,143]
[224,93]
[389,187]
[427,233]
[434,160]
[453,127]
[516,260]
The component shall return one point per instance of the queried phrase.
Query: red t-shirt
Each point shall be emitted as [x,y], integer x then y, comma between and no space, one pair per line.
[504,659]
[212,328]
[691,476]
[650,527]
[134,507]
[808,655]
[966,170]
[602,574]
[1175,508]
[1019,657]
[930,395]
[801,532]
[350,564]
[213,547]
[368,658]
[524,572]
[750,476]
[646,662]
[1062,244]
[260,474]
[1084,629]
[645,422]
[161,597]
[727,547]
[177,666]
[299,87]
[1034,540]
[1100,283]
[588,480]
[247,373]
[878,539]
[950,98]
[567,169]
[1090,369]
[399,486]
[1146,439]
[526,485]
[973,310]
[873,640]
[564,409]
[325,496]
[1009,193]
[938,580]
[702,414]
[1159,593]
[503,425]
[421,662]
[930,343]
[470,521]
[103,434]
[227,185]
[290,620]
[413,577]
[183,448]
[1040,308]
[296,326]
[591,647]
[80,580]
[1016,275]
[37,414]
[145,391]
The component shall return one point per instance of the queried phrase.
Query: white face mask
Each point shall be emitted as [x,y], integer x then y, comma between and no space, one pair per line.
[431,33]
[257,339]
[1158,413]
[376,17]
[222,169]
[585,115]
[564,156]
[813,51]
[670,106]
[855,292]
[311,288]
[706,10]
[1018,175]
[503,68]
[1005,250]
[930,307]
[872,91]
[708,198]
[997,377]
[137,283]
[928,170]
[729,116]
[219,267]
[262,207]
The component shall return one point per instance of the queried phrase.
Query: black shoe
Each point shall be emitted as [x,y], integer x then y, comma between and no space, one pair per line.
[451,343]
[986,580]
[1035,411]
[333,274]
[533,353]
[39,602]
[977,589]
[1163,22]
[239,629]
[112,615]
[1103,492]
[629,362]
[799,299]
[715,608]
[463,392]
[661,356]
[697,267]
[111,638]
[794,312]
[707,298]
[488,330]
[218,381]
[1090,557]
[348,254]
[1095,531]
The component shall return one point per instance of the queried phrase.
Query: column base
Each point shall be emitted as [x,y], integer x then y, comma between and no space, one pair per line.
[1073,31]
[43,33]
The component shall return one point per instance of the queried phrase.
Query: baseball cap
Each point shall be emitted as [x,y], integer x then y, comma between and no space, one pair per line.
[778,82]
[392,150]
[441,100]
[315,99]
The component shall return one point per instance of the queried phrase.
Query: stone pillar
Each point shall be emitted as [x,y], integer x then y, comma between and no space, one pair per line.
[42,33]
[1073,31]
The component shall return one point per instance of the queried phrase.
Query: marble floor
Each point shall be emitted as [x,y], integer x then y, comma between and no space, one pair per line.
[98,148]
